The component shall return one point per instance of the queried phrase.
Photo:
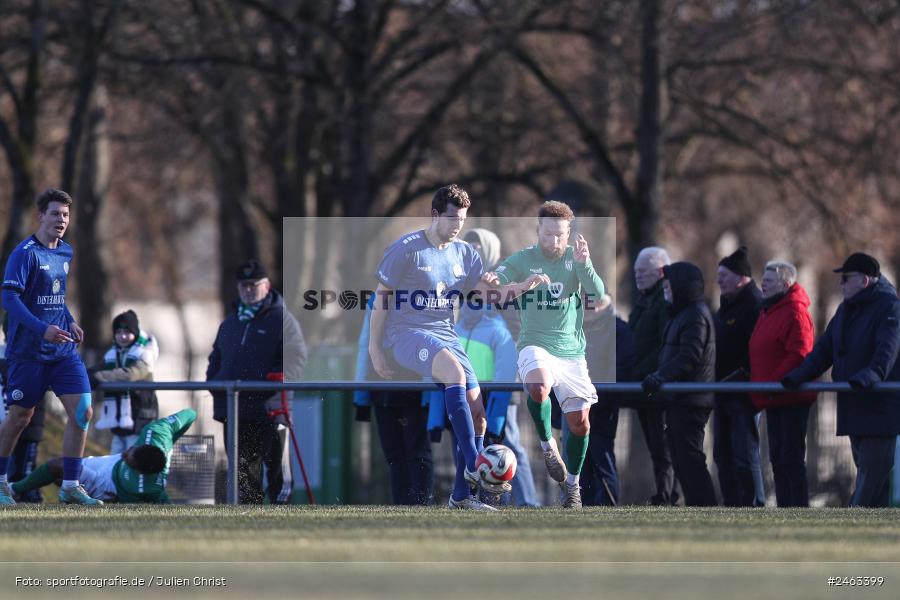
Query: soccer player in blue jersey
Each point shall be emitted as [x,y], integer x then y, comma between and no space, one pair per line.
[41,348]
[412,323]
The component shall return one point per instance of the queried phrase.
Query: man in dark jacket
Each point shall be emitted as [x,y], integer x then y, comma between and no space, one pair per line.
[648,321]
[259,338]
[861,344]
[735,427]
[688,355]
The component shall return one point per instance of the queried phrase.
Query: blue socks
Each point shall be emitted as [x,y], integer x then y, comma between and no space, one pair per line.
[461,489]
[4,467]
[464,431]
[71,468]
[461,422]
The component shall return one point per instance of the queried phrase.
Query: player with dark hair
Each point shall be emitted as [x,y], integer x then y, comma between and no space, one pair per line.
[412,325]
[41,347]
[551,342]
[137,475]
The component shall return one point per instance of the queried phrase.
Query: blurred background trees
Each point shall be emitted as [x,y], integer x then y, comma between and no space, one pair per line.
[187,130]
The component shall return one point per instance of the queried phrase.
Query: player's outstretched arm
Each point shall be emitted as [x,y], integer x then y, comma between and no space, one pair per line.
[181,421]
[584,270]
[380,307]
[512,290]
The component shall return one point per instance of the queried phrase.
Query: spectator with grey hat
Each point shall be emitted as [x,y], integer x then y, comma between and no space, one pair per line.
[860,345]
[258,340]
[735,423]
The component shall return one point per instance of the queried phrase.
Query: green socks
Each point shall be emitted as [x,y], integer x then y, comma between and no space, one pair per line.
[576,449]
[37,479]
[540,414]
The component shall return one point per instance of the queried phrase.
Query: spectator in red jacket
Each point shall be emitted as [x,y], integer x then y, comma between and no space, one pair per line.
[783,336]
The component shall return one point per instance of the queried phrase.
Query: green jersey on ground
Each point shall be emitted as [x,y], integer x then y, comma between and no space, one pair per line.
[133,486]
[552,316]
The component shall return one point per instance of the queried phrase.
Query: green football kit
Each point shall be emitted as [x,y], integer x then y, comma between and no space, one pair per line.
[133,486]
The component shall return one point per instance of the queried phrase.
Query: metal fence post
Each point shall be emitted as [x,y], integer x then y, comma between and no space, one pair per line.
[231,443]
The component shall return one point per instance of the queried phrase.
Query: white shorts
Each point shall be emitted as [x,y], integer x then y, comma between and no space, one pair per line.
[571,382]
[97,476]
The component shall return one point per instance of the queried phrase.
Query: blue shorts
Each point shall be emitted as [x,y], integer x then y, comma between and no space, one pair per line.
[415,350]
[29,380]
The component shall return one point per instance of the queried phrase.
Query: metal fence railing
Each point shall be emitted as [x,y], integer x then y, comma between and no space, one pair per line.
[232,391]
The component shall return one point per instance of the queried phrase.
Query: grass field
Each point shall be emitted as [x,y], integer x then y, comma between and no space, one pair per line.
[370,552]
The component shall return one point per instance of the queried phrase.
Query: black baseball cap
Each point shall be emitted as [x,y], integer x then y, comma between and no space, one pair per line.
[251,270]
[859,262]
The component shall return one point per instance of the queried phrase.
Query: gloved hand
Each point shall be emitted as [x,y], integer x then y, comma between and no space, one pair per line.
[493,438]
[790,383]
[652,383]
[858,384]
[363,414]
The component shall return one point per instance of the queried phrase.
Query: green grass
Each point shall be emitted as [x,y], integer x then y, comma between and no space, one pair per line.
[373,552]
[223,533]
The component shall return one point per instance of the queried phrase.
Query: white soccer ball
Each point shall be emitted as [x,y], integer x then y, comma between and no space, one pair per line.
[496,464]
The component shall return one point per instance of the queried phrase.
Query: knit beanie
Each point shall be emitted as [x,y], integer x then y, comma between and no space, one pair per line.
[128,321]
[737,262]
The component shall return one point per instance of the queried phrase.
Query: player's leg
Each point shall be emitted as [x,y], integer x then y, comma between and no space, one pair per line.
[576,394]
[25,388]
[493,493]
[576,445]
[69,380]
[17,419]
[535,367]
[447,369]
[45,474]
[429,356]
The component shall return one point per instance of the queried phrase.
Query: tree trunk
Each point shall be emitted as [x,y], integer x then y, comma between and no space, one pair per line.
[93,181]
[643,212]
[237,239]
[20,150]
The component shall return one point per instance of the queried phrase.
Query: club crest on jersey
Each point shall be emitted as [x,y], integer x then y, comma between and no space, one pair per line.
[440,288]
[423,354]
[66,267]
[56,286]
[457,270]
[568,265]
[556,289]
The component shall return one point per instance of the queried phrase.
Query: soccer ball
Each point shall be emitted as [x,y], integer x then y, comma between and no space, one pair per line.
[496,464]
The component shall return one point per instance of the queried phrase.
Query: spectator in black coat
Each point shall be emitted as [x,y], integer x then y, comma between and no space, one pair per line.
[735,422]
[860,345]
[648,321]
[688,355]
[258,341]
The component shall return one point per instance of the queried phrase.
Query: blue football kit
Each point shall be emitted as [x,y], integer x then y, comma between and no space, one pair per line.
[425,282]
[34,295]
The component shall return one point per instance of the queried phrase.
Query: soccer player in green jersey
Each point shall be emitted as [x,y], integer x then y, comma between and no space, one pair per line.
[551,342]
[137,475]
